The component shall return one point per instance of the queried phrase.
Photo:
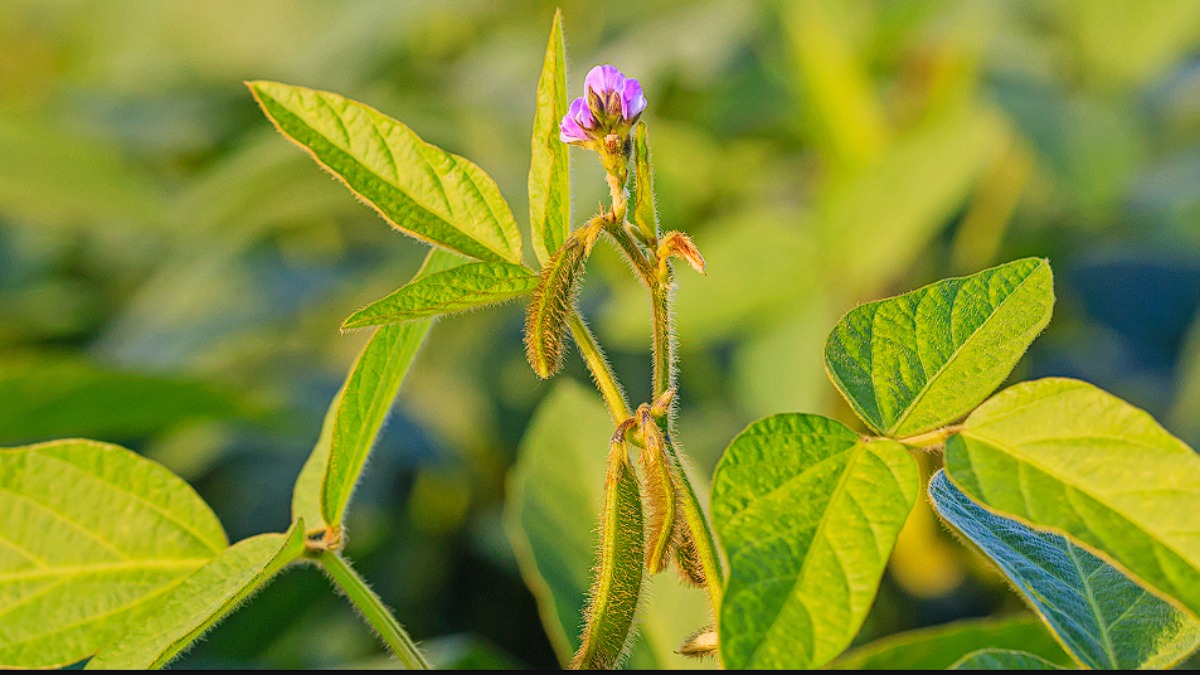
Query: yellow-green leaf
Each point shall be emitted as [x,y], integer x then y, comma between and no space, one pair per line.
[454,290]
[1004,659]
[91,537]
[356,414]
[808,513]
[1066,456]
[917,361]
[940,647]
[550,168]
[203,599]
[433,195]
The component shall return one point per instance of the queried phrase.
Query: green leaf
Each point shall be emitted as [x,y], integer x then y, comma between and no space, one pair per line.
[555,493]
[203,599]
[550,168]
[454,290]
[353,421]
[91,536]
[808,513]
[940,647]
[1105,619]
[419,189]
[645,212]
[1004,659]
[1066,456]
[917,361]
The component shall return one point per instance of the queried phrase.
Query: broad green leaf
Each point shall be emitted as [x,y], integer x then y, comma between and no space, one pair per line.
[54,396]
[419,189]
[917,361]
[91,537]
[808,512]
[1064,455]
[454,290]
[203,599]
[550,168]
[555,495]
[356,414]
[1004,659]
[940,647]
[1105,619]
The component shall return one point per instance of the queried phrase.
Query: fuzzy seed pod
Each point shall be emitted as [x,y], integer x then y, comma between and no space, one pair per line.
[552,303]
[661,495]
[613,603]
[687,557]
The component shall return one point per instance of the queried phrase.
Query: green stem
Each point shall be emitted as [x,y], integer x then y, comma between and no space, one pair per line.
[625,241]
[664,376]
[373,610]
[664,379]
[606,380]
[663,347]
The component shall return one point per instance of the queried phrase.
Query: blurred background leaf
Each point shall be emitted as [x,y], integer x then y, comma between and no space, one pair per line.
[159,239]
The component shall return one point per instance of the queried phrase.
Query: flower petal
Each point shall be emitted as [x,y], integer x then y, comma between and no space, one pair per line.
[633,100]
[581,113]
[604,79]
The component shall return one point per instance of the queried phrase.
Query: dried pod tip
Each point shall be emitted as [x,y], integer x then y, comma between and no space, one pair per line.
[662,405]
[701,644]
[680,245]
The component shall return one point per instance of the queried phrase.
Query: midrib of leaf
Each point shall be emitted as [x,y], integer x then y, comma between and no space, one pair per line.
[1091,548]
[49,572]
[469,295]
[71,523]
[348,156]
[735,516]
[140,600]
[1103,627]
[929,381]
[818,534]
[153,507]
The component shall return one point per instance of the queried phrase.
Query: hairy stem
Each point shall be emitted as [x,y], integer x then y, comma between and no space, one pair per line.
[373,610]
[664,376]
[606,380]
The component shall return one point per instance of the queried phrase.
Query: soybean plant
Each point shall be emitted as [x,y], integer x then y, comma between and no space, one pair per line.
[1083,502]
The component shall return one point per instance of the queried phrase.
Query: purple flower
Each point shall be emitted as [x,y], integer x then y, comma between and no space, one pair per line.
[611,104]
[612,89]
[576,122]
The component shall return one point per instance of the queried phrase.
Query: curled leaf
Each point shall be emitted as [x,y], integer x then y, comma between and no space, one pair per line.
[679,245]
[553,301]
[616,588]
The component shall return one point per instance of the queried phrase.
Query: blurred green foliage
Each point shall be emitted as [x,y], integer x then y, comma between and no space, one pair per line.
[173,274]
